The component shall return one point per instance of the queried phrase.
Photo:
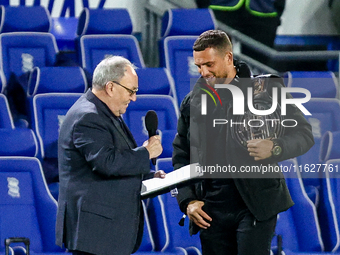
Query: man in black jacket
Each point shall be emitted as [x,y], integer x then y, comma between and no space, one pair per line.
[234,210]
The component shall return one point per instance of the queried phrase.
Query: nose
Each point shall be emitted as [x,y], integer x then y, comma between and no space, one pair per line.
[204,71]
[133,97]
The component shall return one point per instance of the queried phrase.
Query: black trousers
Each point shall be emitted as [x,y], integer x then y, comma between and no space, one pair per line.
[237,233]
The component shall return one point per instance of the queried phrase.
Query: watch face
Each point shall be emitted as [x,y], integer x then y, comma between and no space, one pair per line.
[277,150]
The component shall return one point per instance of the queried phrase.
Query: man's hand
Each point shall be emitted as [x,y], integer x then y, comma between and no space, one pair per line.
[154,146]
[197,215]
[260,148]
[159,174]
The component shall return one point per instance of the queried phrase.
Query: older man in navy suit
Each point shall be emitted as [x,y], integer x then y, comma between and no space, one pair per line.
[101,168]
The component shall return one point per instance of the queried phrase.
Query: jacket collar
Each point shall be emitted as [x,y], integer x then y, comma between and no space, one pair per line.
[106,111]
[241,80]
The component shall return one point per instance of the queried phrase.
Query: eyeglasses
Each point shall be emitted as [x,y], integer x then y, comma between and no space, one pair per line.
[132,92]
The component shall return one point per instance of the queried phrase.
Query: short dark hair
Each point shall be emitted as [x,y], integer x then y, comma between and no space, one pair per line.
[216,39]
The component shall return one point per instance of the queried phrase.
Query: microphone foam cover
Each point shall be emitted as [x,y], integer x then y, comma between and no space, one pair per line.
[151,121]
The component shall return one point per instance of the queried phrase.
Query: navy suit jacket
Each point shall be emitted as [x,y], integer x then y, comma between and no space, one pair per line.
[100,171]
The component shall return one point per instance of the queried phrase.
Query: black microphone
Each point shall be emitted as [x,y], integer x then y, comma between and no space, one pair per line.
[151,125]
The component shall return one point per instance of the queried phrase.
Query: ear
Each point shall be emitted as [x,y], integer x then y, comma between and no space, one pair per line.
[229,58]
[109,88]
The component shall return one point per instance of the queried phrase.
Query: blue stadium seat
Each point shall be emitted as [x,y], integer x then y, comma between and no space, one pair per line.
[65,79]
[325,117]
[21,213]
[180,62]
[105,32]
[157,81]
[18,142]
[185,22]
[147,246]
[333,44]
[3,82]
[328,209]
[167,112]
[22,51]
[298,226]
[49,80]
[321,84]
[64,30]
[6,119]
[10,21]
[164,215]
[164,164]
[49,110]
[180,28]
[15,141]
[25,42]
[104,21]
[54,80]
[330,146]
[331,212]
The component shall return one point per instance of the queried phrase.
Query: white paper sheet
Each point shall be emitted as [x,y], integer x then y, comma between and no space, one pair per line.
[171,180]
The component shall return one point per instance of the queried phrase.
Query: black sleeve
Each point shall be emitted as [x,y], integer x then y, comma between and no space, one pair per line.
[181,153]
[296,140]
[181,143]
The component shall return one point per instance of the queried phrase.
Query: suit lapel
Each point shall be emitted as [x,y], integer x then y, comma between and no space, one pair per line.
[129,133]
[127,137]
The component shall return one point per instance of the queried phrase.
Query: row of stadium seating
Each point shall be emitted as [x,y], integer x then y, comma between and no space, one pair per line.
[49,109]
[28,44]
[22,51]
[28,209]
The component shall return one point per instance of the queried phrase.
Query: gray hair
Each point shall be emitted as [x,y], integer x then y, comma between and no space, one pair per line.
[112,68]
